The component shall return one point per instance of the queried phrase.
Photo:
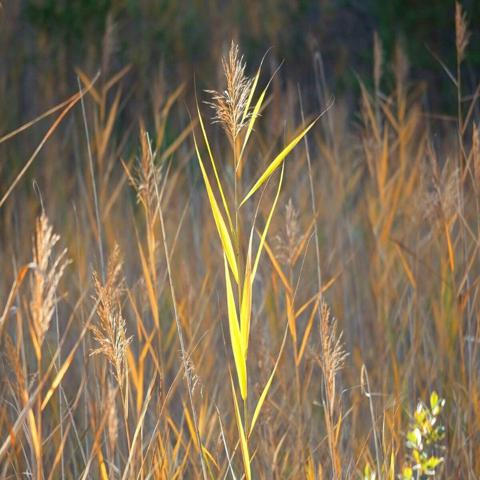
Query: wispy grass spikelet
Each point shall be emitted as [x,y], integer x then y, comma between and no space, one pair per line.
[48,270]
[230,105]
[333,353]
[462,35]
[110,330]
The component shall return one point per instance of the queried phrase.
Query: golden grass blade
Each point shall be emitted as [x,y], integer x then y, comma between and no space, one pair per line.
[139,427]
[101,465]
[261,400]
[305,238]
[84,78]
[246,305]
[117,77]
[263,396]
[278,269]
[300,310]
[236,336]
[267,225]
[277,161]
[406,267]
[252,91]
[152,297]
[11,296]
[292,324]
[219,221]
[30,123]
[75,99]
[243,439]
[58,378]
[256,110]
[451,254]
[251,123]
[214,167]
[308,330]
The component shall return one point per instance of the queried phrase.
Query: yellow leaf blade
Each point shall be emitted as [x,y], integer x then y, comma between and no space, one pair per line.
[218,218]
[246,305]
[277,161]
[251,123]
[243,439]
[236,336]
[214,167]
[266,389]
[261,400]
[267,225]
[58,378]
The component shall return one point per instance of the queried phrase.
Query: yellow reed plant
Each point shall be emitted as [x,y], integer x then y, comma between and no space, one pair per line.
[236,111]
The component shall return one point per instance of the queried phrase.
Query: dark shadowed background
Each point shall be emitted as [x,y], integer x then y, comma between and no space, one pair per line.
[42,41]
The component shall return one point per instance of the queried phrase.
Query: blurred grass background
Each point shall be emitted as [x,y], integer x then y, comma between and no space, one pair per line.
[44,38]
[396,175]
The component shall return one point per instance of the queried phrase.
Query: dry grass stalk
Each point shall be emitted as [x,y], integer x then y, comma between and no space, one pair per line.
[476,154]
[48,270]
[331,362]
[13,358]
[110,330]
[333,353]
[462,35]
[144,180]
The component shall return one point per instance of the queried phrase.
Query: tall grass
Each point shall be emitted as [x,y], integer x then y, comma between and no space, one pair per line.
[263,289]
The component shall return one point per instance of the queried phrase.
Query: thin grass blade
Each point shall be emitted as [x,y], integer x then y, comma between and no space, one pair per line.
[214,167]
[267,225]
[219,221]
[243,439]
[277,161]
[236,336]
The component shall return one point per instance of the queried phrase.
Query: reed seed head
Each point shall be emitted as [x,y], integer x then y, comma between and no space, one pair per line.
[48,270]
[110,330]
[229,105]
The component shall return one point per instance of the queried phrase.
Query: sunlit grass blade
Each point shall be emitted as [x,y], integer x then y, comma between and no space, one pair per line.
[261,400]
[251,123]
[277,161]
[246,305]
[256,110]
[58,378]
[291,317]
[267,225]
[218,218]
[243,439]
[266,389]
[252,90]
[236,336]
[451,255]
[214,167]
[278,269]
[308,330]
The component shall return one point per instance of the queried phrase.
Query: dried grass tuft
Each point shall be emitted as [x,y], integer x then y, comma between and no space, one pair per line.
[229,105]
[462,35]
[47,272]
[110,330]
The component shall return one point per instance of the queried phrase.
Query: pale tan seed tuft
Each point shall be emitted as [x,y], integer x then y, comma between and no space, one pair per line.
[229,105]
[462,35]
[47,272]
[110,330]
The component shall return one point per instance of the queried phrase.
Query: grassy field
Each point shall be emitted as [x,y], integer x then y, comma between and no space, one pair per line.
[247,282]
